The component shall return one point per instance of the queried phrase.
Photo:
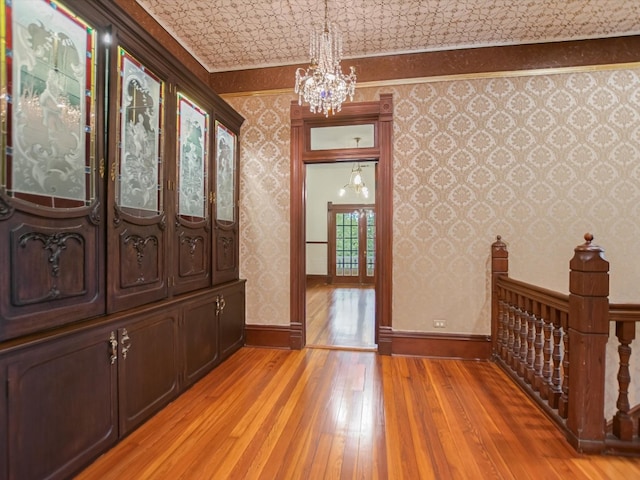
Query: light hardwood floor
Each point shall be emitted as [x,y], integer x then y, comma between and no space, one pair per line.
[341,316]
[336,414]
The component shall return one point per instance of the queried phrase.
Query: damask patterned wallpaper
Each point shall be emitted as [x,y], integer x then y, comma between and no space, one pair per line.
[539,160]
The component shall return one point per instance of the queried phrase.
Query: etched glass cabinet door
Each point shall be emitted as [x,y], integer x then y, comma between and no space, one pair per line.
[136,271]
[51,202]
[191,264]
[226,249]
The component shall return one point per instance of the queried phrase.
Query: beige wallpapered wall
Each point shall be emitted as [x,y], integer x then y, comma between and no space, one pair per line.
[539,160]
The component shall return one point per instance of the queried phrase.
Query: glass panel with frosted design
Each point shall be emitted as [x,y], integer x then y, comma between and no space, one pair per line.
[50,68]
[225,173]
[141,96]
[193,128]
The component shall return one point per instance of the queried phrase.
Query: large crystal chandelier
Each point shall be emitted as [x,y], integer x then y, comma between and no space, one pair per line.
[323,85]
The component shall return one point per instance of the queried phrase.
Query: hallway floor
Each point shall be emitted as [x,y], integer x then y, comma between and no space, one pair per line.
[341,316]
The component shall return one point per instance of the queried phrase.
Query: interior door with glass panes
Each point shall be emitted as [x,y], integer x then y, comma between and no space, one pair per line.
[352,244]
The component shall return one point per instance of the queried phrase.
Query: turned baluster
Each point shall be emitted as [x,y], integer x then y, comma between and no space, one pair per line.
[499,266]
[517,319]
[524,348]
[497,291]
[505,332]
[511,328]
[504,326]
[497,342]
[556,357]
[622,421]
[563,404]
[537,346]
[547,350]
[522,358]
[531,336]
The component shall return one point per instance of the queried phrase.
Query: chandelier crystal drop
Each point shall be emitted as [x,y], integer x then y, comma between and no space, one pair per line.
[322,84]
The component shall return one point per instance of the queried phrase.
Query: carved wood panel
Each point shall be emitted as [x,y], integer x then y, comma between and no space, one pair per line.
[53,274]
[137,266]
[225,267]
[192,260]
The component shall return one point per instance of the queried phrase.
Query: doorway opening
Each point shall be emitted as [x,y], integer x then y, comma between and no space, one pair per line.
[378,117]
[340,257]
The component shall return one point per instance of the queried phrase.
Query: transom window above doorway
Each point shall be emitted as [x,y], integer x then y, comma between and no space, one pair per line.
[343,136]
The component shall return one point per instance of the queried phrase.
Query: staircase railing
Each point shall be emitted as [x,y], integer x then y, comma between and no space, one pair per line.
[555,346]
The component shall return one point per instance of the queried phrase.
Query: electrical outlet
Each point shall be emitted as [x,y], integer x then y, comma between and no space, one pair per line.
[439,323]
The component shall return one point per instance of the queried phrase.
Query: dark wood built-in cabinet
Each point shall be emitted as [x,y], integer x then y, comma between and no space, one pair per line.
[62,398]
[147,366]
[119,184]
[230,306]
[200,333]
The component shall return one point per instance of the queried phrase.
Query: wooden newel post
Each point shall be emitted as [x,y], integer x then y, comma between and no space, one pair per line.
[499,266]
[588,335]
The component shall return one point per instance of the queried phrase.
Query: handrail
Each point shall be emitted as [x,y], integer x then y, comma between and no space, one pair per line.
[618,312]
[559,301]
[624,312]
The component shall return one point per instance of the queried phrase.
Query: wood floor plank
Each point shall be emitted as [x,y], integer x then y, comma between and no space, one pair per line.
[369,463]
[279,401]
[499,427]
[441,389]
[331,414]
[430,429]
[266,445]
[311,422]
[340,316]
[486,440]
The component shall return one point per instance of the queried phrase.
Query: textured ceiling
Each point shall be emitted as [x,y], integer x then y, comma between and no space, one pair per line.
[239,34]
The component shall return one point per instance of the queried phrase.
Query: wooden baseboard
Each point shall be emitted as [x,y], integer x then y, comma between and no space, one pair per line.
[465,347]
[385,340]
[273,336]
[313,280]
[296,338]
[458,346]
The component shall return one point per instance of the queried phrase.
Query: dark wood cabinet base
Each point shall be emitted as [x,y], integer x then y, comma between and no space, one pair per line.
[72,394]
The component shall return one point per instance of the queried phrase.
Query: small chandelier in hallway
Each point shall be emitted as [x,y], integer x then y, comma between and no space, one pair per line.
[356,183]
[322,84]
